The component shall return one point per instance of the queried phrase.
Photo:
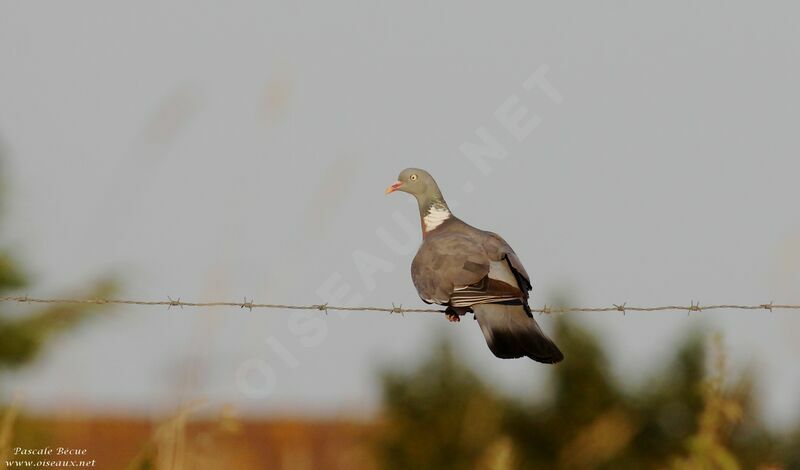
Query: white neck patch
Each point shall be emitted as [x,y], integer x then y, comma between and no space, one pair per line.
[436,215]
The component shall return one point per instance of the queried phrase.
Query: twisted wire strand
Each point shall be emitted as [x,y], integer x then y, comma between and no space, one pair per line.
[250,305]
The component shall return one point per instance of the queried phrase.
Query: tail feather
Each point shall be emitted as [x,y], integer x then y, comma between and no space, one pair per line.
[511,333]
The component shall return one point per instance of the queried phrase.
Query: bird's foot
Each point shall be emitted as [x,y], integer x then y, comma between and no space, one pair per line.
[454,313]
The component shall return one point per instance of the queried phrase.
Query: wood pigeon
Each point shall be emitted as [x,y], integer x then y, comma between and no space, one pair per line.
[472,270]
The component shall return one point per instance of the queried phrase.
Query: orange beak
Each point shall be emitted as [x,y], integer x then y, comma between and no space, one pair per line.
[394,187]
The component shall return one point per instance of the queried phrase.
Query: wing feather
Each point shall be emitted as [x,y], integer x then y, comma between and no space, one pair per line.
[464,266]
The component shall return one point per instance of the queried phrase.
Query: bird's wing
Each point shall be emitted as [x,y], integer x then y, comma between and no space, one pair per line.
[445,263]
[497,249]
[499,285]
[456,269]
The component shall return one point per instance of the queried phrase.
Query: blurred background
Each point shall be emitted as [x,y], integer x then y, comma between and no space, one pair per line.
[629,153]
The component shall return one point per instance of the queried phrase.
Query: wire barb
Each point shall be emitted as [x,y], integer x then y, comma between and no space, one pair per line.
[173,303]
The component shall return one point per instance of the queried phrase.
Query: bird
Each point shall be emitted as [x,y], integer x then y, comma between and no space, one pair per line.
[469,270]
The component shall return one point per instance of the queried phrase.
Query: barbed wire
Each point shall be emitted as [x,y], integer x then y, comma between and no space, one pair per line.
[250,305]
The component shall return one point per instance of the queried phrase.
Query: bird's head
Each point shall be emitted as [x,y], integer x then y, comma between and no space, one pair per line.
[418,183]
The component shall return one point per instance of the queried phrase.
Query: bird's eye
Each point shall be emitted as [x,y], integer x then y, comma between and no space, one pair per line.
[413,178]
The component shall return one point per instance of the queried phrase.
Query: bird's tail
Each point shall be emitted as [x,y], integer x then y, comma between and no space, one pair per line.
[511,333]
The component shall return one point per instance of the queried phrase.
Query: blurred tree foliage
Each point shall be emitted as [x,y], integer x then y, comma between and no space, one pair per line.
[442,416]
[23,334]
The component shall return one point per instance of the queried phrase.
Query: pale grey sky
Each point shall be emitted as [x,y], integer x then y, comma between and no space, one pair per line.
[208,151]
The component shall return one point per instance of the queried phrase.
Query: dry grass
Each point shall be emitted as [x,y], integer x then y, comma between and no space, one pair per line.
[7,429]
